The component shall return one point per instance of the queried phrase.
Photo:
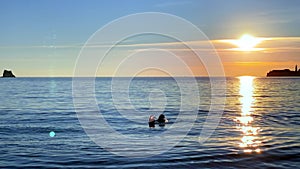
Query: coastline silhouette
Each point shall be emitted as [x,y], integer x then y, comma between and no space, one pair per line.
[284,72]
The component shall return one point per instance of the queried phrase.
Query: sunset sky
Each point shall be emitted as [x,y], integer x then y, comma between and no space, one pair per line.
[44,38]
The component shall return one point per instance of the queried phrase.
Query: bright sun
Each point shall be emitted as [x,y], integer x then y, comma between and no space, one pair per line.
[247,43]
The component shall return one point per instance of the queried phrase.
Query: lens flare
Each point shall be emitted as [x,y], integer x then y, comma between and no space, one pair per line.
[52,134]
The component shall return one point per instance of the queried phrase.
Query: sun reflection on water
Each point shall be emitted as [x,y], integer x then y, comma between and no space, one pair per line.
[250,140]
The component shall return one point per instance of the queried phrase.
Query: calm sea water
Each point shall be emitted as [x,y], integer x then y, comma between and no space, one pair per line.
[260,126]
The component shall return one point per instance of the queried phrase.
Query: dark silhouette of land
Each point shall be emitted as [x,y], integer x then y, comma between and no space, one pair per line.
[284,72]
[8,73]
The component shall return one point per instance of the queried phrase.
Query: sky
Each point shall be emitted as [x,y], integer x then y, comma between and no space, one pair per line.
[44,38]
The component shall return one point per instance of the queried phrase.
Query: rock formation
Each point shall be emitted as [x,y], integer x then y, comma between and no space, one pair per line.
[8,73]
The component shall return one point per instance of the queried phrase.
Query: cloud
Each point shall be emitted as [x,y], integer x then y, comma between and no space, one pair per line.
[41,47]
[268,44]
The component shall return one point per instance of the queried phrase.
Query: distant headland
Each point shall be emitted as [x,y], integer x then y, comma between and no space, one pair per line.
[284,72]
[8,73]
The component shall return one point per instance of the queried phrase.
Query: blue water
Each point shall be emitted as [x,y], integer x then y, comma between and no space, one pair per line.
[269,108]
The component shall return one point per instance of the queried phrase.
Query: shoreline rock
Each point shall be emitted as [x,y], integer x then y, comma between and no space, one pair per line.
[8,74]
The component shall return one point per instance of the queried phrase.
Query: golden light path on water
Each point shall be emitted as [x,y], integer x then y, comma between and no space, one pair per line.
[249,141]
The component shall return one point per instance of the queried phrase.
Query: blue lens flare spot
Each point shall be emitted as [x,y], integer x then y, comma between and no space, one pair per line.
[52,134]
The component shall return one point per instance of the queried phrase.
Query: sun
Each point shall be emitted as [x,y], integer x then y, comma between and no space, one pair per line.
[247,43]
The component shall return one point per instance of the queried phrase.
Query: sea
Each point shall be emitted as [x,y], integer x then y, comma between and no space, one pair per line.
[41,125]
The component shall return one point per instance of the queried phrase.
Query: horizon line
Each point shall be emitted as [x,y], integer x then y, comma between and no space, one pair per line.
[132,76]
